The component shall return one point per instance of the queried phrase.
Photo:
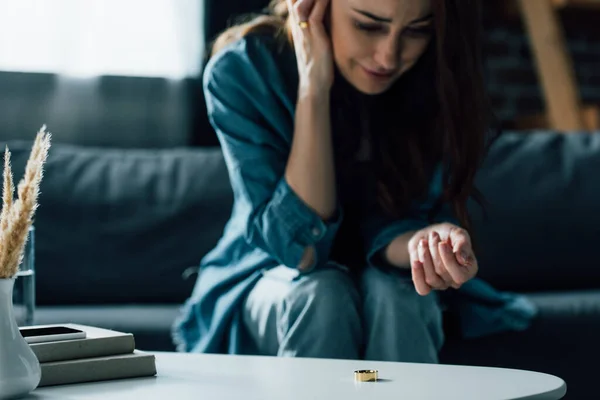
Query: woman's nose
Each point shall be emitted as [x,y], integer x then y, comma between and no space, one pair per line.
[387,55]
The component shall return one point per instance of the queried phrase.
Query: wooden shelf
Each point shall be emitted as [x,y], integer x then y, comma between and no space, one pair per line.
[554,65]
[583,4]
[510,9]
[590,114]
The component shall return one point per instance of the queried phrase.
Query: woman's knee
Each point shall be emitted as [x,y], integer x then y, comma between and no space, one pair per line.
[386,288]
[391,296]
[328,297]
[320,317]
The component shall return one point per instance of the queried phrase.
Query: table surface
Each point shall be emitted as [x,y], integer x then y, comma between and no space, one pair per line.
[207,376]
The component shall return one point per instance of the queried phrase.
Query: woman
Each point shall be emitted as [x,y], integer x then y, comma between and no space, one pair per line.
[352,131]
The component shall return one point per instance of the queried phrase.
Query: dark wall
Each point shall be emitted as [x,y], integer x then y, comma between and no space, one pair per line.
[512,81]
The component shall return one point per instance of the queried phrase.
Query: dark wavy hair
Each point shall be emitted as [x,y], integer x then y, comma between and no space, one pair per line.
[436,112]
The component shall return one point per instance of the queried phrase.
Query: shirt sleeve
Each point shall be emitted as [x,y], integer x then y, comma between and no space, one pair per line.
[380,230]
[255,127]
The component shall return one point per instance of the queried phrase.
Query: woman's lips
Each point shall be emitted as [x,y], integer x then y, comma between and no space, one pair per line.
[378,75]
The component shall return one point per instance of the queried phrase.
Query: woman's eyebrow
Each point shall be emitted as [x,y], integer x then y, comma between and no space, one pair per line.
[372,16]
[389,20]
[423,19]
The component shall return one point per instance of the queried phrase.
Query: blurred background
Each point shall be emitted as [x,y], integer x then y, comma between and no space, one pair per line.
[116,73]
[126,73]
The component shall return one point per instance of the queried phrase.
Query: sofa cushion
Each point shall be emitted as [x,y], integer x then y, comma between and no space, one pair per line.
[123,225]
[543,225]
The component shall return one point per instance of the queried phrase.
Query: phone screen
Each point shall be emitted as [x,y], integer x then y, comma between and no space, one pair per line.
[54,330]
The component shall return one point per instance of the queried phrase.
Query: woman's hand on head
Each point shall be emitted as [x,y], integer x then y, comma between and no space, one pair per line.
[312,45]
[441,256]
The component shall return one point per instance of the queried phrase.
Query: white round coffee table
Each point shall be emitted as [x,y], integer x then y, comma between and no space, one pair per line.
[202,376]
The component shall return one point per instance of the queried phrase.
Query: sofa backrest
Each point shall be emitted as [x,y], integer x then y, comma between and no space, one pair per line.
[543,228]
[124,225]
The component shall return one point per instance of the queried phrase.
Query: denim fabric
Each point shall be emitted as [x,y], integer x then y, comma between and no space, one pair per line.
[250,89]
[328,314]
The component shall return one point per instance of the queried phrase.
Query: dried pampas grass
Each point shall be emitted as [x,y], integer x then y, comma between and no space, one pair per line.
[16,216]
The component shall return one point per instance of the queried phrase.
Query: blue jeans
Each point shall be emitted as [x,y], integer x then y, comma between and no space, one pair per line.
[328,314]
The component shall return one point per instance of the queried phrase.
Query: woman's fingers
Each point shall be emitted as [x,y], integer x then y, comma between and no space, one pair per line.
[413,246]
[292,10]
[461,246]
[297,10]
[294,19]
[317,18]
[319,10]
[312,44]
[431,277]
[304,8]
[464,254]
[434,262]
[438,263]
[460,274]
[418,273]
[418,277]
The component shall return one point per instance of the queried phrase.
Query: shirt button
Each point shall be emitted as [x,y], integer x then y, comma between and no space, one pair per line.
[316,231]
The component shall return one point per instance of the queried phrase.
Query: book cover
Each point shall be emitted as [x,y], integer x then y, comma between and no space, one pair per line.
[98,342]
[135,365]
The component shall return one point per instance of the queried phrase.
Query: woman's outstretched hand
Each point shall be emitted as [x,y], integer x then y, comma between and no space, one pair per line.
[441,256]
[312,45]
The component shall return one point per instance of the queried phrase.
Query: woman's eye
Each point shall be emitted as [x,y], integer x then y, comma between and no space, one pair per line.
[421,31]
[367,27]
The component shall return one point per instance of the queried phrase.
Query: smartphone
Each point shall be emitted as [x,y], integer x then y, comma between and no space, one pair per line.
[52,333]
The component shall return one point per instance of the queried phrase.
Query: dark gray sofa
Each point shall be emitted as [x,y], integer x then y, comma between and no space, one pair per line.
[120,233]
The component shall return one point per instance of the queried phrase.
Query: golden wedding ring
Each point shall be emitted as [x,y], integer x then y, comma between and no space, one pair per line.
[303,24]
[365,375]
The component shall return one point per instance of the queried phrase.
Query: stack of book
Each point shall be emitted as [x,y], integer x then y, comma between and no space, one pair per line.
[102,354]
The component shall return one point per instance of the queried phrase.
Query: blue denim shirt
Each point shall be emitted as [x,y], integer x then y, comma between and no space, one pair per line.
[250,89]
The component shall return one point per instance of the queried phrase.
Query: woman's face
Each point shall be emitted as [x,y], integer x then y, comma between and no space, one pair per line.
[376,41]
